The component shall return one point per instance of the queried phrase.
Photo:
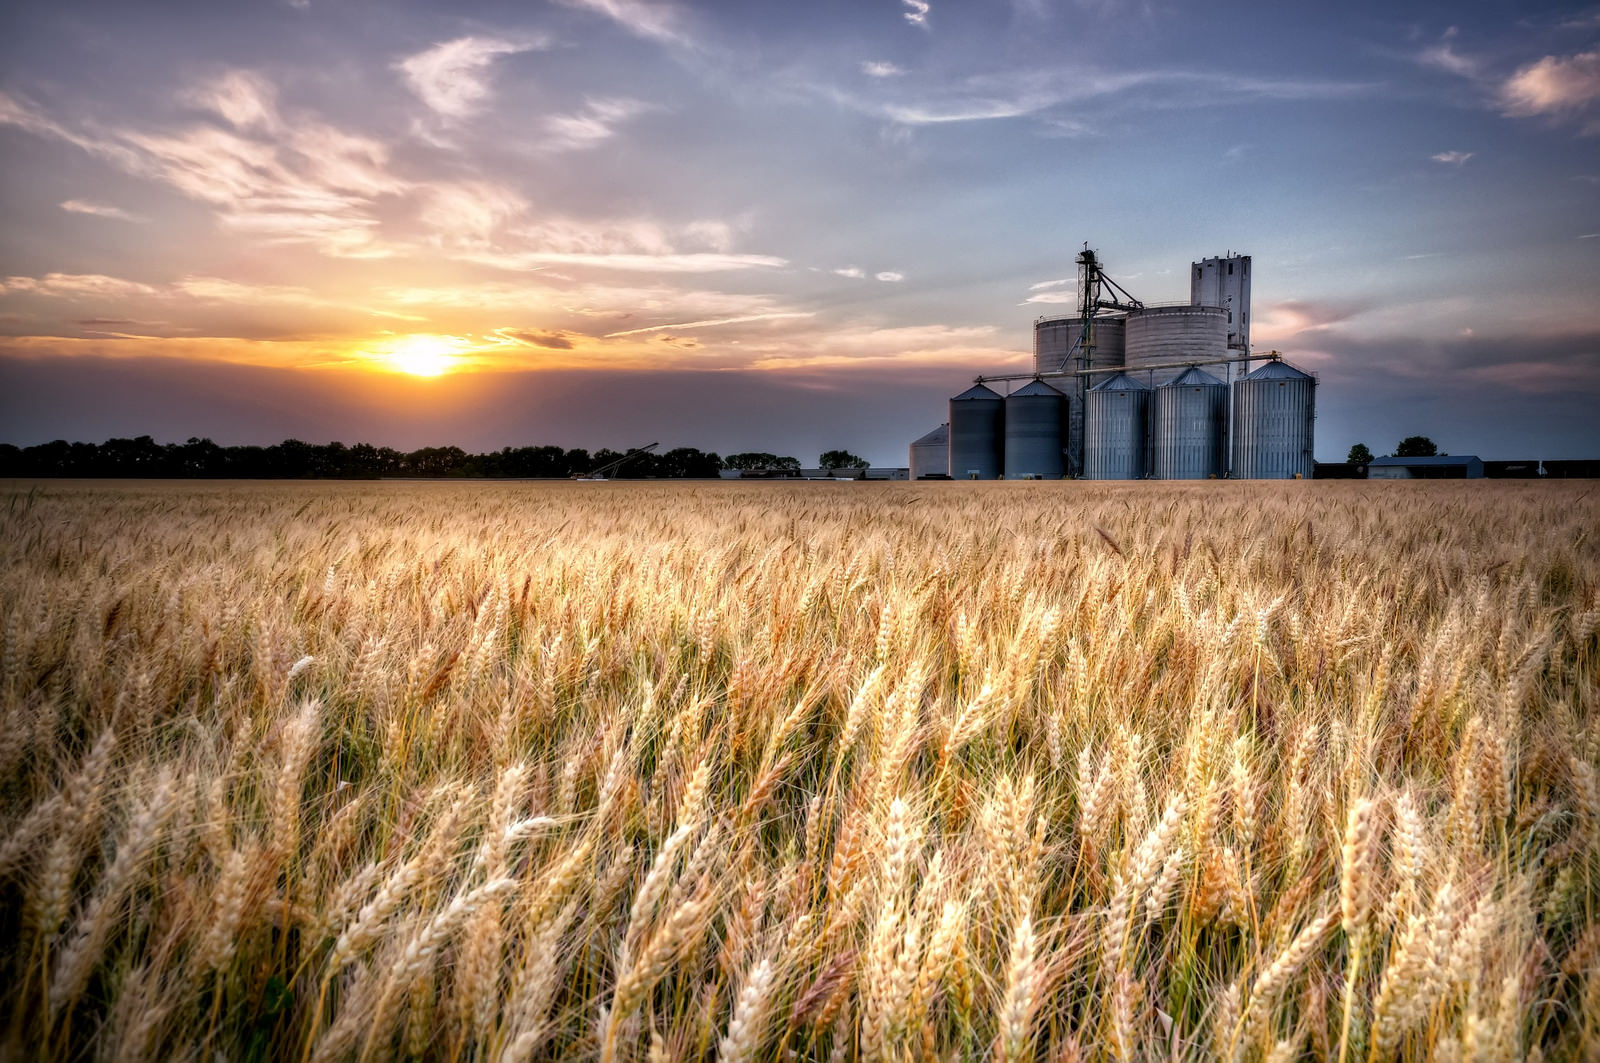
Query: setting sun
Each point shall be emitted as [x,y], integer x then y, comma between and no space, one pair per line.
[423,355]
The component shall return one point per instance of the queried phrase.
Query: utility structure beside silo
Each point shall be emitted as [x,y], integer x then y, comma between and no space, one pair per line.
[1124,389]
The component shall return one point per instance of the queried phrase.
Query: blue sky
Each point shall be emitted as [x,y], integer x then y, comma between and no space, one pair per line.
[777,226]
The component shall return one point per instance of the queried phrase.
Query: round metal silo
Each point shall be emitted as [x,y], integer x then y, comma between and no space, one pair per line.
[1274,411]
[1053,338]
[977,424]
[930,454]
[1114,429]
[1033,432]
[1159,334]
[1188,419]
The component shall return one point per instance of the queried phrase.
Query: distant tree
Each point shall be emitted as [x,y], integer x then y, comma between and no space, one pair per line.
[1416,447]
[687,462]
[841,459]
[1359,455]
[759,459]
[605,456]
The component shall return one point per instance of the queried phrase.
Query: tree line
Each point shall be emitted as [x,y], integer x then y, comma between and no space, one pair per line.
[294,460]
[1409,447]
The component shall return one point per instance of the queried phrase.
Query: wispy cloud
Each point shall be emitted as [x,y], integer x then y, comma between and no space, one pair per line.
[1040,91]
[242,98]
[1453,158]
[299,181]
[880,68]
[657,21]
[917,12]
[469,212]
[853,272]
[99,210]
[452,77]
[18,112]
[693,262]
[1443,56]
[960,348]
[629,245]
[1554,85]
[713,322]
[597,121]
[77,286]
[1296,318]
[889,276]
[310,184]
[1050,297]
[550,341]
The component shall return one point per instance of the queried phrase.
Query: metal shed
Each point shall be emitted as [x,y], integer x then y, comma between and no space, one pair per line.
[1445,467]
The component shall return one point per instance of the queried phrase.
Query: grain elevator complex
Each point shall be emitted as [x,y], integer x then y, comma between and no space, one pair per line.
[1124,390]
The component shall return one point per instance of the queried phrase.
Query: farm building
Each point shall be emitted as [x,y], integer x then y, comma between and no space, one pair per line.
[1445,467]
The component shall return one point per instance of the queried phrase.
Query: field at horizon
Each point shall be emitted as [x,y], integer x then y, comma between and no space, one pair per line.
[818,771]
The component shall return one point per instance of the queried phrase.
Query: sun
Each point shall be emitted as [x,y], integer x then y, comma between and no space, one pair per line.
[423,355]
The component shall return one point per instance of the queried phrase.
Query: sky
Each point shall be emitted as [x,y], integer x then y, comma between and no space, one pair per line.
[775,226]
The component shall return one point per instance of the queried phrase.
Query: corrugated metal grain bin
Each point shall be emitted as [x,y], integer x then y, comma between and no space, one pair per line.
[1033,432]
[1185,333]
[1114,429]
[1053,338]
[1188,425]
[930,454]
[1274,411]
[977,440]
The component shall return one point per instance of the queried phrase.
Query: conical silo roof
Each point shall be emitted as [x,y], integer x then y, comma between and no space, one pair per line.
[938,437]
[977,392]
[1120,382]
[1276,370]
[1036,387]
[1194,377]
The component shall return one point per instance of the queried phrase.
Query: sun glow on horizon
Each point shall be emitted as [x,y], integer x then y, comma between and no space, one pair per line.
[423,355]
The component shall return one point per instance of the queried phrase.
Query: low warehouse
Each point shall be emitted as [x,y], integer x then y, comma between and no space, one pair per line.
[1446,467]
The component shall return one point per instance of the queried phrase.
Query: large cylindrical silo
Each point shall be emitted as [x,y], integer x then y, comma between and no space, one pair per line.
[1053,339]
[1033,432]
[977,440]
[1114,429]
[1274,413]
[930,454]
[1163,334]
[1188,425]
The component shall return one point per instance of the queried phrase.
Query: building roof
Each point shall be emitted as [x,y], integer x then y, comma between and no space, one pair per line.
[937,438]
[1276,370]
[1120,382]
[1194,377]
[1443,459]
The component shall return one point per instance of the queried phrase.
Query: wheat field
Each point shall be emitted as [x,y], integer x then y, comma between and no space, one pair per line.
[800,772]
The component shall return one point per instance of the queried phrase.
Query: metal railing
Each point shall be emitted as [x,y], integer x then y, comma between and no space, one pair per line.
[1272,356]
